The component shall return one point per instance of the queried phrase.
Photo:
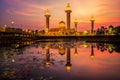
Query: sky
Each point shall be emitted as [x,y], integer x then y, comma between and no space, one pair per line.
[29,14]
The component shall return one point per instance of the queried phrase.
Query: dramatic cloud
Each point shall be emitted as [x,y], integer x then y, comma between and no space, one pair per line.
[106,12]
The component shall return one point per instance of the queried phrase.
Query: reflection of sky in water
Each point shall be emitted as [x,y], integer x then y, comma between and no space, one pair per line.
[30,62]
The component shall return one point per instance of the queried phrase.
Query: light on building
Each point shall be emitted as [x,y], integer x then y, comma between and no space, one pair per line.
[86,32]
[46,30]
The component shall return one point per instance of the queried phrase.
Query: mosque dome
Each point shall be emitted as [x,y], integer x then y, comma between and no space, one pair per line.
[61,24]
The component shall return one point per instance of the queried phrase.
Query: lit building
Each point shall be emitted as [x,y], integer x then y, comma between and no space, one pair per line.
[68,12]
[58,31]
[47,15]
[92,24]
[62,29]
[65,29]
[76,22]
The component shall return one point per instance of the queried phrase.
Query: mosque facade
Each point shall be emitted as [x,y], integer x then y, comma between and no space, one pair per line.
[64,29]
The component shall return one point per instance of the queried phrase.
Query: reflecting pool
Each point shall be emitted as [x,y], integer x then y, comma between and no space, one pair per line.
[61,61]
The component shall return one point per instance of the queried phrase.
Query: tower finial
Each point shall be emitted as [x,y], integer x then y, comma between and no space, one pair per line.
[68,7]
[47,12]
[75,20]
[92,18]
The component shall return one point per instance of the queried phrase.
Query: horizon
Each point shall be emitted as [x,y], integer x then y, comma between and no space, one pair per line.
[31,13]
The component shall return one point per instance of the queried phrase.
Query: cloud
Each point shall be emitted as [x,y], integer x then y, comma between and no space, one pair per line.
[33,10]
[109,7]
[24,12]
[42,7]
[25,8]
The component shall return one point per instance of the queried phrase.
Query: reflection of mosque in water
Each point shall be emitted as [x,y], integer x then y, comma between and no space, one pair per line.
[62,51]
[63,48]
[108,47]
[66,50]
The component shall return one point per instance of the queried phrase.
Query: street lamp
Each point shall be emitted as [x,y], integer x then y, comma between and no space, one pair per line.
[12,23]
[5,25]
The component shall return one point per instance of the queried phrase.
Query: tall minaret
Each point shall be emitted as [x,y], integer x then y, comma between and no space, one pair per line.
[92,24]
[68,64]
[68,11]
[47,15]
[76,22]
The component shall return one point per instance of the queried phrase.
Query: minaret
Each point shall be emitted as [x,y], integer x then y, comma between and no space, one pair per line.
[76,22]
[47,15]
[68,11]
[92,24]
[68,64]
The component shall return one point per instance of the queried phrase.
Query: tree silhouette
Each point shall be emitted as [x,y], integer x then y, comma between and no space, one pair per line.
[117,30]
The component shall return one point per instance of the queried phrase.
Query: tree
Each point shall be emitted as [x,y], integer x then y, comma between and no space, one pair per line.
[117,30]
[110,30]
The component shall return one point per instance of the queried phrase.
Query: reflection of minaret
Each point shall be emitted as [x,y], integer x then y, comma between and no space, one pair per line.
[76,53]
[47,15]
[68,65]
[47,56]
[92,52]
[92,24]
[68,11]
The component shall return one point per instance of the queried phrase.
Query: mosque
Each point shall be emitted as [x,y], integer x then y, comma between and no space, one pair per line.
[64,29]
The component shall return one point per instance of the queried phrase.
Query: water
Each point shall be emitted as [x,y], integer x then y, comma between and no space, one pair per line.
[61,61]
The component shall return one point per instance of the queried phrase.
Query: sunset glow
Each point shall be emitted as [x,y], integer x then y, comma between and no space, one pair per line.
[29,14]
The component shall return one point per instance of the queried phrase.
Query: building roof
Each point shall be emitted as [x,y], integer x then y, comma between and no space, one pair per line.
[54,29]
[57,29]
[61,22]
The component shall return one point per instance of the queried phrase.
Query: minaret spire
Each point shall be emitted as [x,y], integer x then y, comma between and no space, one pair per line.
[68,11]
[76,22]
[47,15]
[92,24]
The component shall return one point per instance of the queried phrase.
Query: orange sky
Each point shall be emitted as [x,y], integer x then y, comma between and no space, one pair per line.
[30,14]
